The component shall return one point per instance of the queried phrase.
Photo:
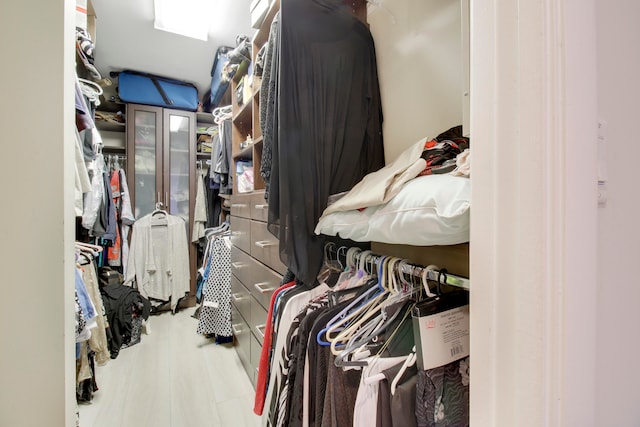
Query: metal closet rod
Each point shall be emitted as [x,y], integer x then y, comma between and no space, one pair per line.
[415,270]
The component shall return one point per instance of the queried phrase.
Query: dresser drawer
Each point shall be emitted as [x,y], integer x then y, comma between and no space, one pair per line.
[241,205]
[258,320]
[242,341]
[242,266]
[241,233]
[256,349]
[265,247]
[258,279]
[259,207]
[262,282]
[241,299]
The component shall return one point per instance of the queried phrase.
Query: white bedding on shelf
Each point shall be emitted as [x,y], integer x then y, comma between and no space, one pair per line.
[428,210]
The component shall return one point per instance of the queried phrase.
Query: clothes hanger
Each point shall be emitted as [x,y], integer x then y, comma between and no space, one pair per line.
[425,284]
[331,267]
[387,342]
[363,313]
[370,331]
[382,321]
[90,246]
[390,296]
[410,361]
[86,251]
[373,289]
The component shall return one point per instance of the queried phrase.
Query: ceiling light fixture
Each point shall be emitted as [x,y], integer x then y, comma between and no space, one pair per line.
[190,18]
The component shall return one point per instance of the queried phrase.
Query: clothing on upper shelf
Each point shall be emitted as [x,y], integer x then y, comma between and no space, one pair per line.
[329,130]
[158,264]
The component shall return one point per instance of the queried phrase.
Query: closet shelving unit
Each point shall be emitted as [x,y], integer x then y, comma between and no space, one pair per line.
[113,133]
[255,262]
[203,120]
[246,116]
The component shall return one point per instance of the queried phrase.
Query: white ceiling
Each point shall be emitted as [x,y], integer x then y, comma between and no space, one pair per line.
[126,39]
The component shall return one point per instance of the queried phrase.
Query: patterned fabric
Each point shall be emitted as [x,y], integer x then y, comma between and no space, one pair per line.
[442,397]
[215,312]
[136,331]
[81,324]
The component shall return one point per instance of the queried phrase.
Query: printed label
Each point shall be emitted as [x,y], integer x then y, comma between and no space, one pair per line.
[213,304]
[444,337]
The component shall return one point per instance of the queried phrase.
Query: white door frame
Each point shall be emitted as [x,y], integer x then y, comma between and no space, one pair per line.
[534,215]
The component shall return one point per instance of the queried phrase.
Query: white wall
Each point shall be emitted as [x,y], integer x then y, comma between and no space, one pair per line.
[618,314]
[419,53]
[36,116]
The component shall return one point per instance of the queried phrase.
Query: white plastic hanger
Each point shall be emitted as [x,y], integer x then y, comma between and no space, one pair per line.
[410,361]
[368,310]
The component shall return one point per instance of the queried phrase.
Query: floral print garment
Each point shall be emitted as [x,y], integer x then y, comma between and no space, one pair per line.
[442,398]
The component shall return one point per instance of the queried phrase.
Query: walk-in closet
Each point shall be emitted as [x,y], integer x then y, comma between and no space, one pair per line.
[301,220]
[267,216]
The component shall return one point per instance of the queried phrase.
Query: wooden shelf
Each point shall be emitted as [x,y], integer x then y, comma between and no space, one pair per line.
[244,115]
[262,35]
[258,140]
[245,154]
[113,149]
[202,117]
[110,126]
[201,155]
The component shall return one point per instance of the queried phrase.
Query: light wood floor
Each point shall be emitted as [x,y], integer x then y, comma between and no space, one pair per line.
[173,378]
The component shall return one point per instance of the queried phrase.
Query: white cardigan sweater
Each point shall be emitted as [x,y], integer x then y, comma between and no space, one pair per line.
[158,264]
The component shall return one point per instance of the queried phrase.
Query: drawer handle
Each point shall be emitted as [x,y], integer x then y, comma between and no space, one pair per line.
[260,330]
[263,287]
[262,206]
[237,298]
[236,331]
[265,243]
[239,205]
[238,265]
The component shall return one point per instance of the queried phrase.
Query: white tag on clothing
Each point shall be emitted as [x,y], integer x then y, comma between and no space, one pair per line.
[213,304]
[444,337]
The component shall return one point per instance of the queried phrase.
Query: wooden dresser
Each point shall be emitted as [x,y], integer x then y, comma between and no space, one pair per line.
[257,272]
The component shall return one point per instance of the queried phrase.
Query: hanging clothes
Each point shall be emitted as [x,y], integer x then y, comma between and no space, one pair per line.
[94,198]
[329,130]
[98,340]
[82,181]
[215,312]
[442,398]
[114,252]
[126,219]
[268,100]
[200,209]
[158,264]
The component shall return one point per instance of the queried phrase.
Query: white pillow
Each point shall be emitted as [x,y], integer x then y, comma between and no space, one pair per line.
[429,210]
